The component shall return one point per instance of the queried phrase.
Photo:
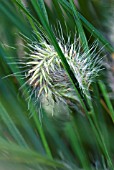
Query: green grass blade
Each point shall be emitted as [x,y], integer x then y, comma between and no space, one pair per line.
[56,138]
[79,26]
[97,34]
[77,145]
[18,113]
[22,155]
[107,100]
[41,132]
[89,27]
[14,18]
[59,11]
[42,7]
[11,126]
[31,18]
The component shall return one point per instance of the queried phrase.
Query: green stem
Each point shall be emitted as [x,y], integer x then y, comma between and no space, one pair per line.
[43,138]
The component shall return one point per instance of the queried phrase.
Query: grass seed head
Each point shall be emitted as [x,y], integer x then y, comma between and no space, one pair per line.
[45,74]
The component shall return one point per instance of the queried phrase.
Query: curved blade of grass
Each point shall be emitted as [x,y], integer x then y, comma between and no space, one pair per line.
[97,34]
[20,5]
[107,100]
[56,138]
[89,27]
[31,19]
[59,11]
[40,130]
[77,145]
[100,117]
[11,126]
[18,112]
[22,155]
[79,26]
[42,6]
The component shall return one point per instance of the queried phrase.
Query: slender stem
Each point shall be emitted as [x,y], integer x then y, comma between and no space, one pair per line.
[42,135]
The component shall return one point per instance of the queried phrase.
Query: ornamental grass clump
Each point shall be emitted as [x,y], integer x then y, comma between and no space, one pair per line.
[56,65]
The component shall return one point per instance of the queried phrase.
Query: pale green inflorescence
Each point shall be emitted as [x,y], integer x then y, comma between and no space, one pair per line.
[47,77]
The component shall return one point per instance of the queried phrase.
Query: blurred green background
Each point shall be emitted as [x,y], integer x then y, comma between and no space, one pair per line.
[55,142]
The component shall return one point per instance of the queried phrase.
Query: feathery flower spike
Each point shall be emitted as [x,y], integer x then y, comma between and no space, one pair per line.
[44,73]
